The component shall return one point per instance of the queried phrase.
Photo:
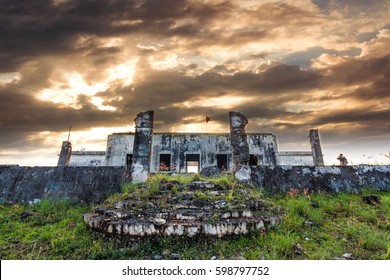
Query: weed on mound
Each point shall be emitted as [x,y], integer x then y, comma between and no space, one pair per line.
[165,207]
[314,226]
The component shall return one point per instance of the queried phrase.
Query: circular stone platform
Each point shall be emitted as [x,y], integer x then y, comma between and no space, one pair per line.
[198,208]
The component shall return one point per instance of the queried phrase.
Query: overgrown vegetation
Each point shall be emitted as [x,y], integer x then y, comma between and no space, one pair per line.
[315,226]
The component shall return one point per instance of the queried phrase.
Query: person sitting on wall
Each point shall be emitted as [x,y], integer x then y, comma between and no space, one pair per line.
[343,160]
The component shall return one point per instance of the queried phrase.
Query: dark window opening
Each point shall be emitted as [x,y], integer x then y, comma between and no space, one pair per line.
[192,163]
[165,162]
[222,162]
[129,159]
[252,159]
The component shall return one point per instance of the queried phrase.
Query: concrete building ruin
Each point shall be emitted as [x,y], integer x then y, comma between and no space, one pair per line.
[190,152]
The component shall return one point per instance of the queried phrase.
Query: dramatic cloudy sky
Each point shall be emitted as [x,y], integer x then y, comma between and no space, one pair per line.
[289,66]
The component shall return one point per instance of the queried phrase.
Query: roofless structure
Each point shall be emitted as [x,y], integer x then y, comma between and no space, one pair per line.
[188,152]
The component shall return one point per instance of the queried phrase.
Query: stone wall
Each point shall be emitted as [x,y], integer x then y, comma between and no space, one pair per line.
[264,146]
[178,145]
[119,145]
[94,184]
[333,179]
[88,158]
[184,212]
[297,158]
[81,184]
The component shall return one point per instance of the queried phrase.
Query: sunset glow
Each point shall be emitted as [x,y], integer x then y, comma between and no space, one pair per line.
[289,66]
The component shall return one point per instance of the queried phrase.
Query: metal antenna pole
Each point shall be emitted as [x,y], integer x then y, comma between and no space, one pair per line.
[70,128]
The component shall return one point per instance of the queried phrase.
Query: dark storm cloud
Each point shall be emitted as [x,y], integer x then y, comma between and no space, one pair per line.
[350,6]
[29,29]
[34,28]
[356,116]
[39,39]
[281,78]
[163,88]
[356,71]
[21,115]
[371,73]
[378,91]
[40,28]
[266,23]
[28,33]
[165,91]
[185,115]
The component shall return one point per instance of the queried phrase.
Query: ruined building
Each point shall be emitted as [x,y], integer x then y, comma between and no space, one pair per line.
[151,152]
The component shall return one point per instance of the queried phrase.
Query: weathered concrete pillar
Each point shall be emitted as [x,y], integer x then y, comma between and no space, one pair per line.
[66,150]
[238,138]
[240,145]
[316,150]
[140,166]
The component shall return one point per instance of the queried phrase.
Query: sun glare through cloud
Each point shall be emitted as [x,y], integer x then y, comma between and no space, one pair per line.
[290,66]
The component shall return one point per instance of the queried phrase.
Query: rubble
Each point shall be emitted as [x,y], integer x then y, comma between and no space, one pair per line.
[198,209]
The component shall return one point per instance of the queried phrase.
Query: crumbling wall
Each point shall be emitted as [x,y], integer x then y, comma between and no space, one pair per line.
[264,146]
[178,145]
[118,146]
[208,146]
[166,213]
[296,158]
[94,184]
[335,179]
[81,184]
[88,159]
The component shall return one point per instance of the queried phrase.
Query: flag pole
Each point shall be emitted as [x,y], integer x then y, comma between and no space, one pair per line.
[206,122]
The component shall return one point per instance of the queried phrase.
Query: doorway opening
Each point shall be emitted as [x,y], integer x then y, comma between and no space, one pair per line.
[222,162]
[129,159]
[165,162]
[253,159]
[192,163]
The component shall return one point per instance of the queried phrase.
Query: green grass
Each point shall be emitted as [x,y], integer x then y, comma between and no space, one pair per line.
[182,179]
[52,231]
[129,187]
[342,223]
[318,226]
[227,180]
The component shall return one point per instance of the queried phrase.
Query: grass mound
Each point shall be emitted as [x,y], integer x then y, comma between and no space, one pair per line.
[315,226]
